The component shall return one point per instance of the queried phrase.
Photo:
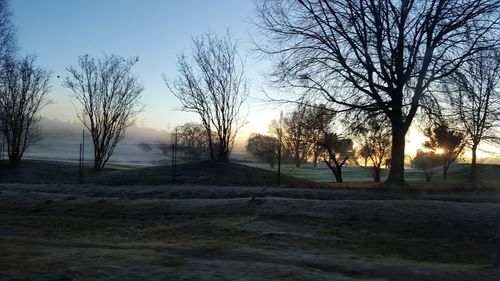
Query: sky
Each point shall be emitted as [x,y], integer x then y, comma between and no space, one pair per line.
[156,31]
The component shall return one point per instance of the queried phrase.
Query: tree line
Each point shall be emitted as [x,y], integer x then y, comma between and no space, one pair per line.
[375,66]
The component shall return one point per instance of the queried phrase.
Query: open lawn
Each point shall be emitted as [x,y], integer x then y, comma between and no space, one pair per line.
[126,230]
[458,174]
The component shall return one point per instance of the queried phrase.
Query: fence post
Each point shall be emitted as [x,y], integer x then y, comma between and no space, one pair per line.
[3,147]
[83,156]
[174,156]
[80,165]
[279,148]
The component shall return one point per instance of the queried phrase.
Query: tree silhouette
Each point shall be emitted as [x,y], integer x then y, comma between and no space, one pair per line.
[375,137]
[474,97]
[318,119]
[213,86]
[192,140]
[450,142]
[264,148]
[295,135]
[426,162]
[23,93]
[338,150]
[108,97]
[364,152]
[374,56]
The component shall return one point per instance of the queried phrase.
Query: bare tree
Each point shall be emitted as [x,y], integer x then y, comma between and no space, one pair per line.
[318,119]
[193,140]
[23,93]
[295,138]
[374,56]
[108,97]
[8,42]
[475,99]
[214,87]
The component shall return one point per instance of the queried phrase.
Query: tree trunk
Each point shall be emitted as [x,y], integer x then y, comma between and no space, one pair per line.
[98,163]
[427,177]
[338,175]
[337,171]
[396,172]
[297,158]
[14,161]
[98,158]
[211,146]
[376,174]
[473,165]
[223,153]
[13,152]
[445,171]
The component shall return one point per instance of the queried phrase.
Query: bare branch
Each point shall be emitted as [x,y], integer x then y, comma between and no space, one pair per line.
[214,87]
[109,99]
[23,93]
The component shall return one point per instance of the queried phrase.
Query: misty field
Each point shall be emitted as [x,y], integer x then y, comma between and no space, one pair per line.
[64,231]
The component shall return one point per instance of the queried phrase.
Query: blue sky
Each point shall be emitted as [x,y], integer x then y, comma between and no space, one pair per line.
[155,30]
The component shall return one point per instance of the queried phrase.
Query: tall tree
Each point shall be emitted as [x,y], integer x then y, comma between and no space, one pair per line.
[474,97]
[448,142]
[8,42]
[108,95]
[23,93]
[374,56]
[214,87]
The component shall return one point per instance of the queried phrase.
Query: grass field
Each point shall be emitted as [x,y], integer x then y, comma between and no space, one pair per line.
[458,174]
[226,221]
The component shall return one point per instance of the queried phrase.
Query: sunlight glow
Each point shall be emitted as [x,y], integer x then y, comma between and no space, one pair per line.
[414,141]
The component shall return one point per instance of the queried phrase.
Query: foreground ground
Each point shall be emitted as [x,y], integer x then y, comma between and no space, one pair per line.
[187,232]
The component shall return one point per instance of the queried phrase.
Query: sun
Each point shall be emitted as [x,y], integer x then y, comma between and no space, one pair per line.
[439,151]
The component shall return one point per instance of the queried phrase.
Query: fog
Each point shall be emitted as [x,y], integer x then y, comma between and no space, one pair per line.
[61,141]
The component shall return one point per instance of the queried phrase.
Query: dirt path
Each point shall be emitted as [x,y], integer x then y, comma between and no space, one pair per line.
[72,232]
